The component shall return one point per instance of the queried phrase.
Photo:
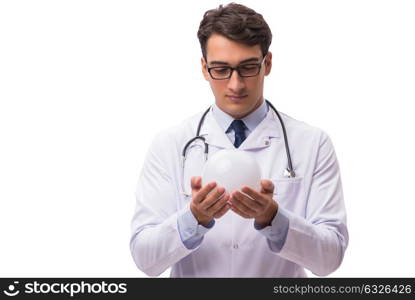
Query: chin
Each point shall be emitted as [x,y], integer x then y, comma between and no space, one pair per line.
[237,110]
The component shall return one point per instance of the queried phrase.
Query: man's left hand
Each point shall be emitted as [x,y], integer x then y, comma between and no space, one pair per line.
[255,205]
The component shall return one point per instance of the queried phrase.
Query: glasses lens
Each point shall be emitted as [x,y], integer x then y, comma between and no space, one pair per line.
[249,70]
[220,72]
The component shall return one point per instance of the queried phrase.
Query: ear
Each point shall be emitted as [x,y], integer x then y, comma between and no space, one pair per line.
[268,63]
[204,70]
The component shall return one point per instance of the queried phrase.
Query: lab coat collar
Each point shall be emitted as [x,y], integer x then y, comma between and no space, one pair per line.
[251,121]
[213,133]
[268,128]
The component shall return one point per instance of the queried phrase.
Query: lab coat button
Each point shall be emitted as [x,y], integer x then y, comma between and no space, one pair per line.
[235,246]
[266,143]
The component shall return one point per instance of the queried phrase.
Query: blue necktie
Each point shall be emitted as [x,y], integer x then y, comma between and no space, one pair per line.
[238,127]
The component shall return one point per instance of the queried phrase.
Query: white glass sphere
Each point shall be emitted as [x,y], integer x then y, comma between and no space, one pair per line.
[232,169]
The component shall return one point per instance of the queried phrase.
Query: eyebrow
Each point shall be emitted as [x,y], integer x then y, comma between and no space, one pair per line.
[252,59]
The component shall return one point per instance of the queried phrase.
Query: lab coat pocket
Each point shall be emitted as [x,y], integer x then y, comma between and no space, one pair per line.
[288,193]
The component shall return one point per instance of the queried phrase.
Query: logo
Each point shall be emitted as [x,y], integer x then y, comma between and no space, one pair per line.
[69,288]
[12,289]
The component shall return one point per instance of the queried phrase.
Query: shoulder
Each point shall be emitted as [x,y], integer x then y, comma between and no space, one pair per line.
[309,141]
[179,133]
[303,131]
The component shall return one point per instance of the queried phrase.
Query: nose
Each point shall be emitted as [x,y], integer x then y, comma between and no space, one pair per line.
[236,83]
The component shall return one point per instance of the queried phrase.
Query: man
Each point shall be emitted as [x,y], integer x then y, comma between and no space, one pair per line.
[201,230]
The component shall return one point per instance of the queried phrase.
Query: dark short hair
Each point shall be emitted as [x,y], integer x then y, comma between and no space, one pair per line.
[235,22]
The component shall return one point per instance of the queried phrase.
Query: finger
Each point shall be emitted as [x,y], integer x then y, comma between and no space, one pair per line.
[236,202]
[249,201]
[202,193]
[212,198]
[218,205]
[267,186]
[222,211]
[254,195]
[239,212]
[196,183]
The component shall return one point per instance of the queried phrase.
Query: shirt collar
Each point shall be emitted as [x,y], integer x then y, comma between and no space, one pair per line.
[251,121]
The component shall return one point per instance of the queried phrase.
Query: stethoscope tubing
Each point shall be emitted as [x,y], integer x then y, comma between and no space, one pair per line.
[289,169]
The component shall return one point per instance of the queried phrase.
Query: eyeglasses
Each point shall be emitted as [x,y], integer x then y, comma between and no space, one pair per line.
[244,70]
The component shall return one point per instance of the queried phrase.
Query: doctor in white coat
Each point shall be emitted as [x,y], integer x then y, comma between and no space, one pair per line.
[199,229]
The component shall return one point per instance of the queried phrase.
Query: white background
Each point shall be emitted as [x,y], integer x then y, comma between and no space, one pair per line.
[85,86]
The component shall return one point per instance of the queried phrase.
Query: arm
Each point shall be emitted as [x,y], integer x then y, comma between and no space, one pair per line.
[318,241]
[155,242]
[161,235]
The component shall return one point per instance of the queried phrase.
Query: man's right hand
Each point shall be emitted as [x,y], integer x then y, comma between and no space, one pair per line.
[208,202]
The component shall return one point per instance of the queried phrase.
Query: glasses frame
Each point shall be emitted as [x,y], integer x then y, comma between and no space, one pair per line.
[237,68]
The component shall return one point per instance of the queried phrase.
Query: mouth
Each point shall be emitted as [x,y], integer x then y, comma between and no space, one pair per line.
[236,98]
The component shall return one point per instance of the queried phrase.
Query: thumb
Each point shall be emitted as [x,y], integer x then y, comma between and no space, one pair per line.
[196,183]
[267,186]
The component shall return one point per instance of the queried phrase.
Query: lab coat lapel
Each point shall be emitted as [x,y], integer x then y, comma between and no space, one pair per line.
[260,138]
[214,134]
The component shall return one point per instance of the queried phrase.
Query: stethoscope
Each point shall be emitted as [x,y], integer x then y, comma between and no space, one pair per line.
[289,171]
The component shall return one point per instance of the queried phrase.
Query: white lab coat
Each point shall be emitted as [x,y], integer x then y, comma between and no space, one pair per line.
[313,201]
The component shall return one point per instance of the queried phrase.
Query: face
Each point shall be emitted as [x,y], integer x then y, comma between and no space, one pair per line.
[237,96]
